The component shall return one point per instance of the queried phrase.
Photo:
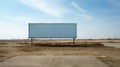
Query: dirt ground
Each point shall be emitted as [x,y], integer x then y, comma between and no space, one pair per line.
[53,61]
[108,55]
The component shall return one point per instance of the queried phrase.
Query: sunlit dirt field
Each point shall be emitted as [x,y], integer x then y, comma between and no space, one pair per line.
[109,55]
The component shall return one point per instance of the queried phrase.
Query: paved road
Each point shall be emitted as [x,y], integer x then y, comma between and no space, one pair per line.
[117,45]
[53,61]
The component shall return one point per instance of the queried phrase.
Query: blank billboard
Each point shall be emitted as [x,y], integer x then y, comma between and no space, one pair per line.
[52,30]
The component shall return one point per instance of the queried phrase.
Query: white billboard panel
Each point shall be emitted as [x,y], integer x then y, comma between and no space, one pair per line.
[52,30]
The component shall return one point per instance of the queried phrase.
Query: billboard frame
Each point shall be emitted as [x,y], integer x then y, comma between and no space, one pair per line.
[32,38]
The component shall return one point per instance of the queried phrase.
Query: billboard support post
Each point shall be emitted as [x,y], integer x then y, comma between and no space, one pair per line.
[31,41]
[73,41]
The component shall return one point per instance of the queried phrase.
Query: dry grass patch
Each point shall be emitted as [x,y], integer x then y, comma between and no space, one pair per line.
[69,44]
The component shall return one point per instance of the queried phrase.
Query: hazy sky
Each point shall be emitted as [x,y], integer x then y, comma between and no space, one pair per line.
[95,18]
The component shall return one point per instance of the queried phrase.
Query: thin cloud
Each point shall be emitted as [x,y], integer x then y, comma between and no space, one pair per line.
[45,6]
[83,13]
[55,8]
[88,17]
[78,7]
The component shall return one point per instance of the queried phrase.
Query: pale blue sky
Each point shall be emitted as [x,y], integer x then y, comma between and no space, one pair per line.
[95,18]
